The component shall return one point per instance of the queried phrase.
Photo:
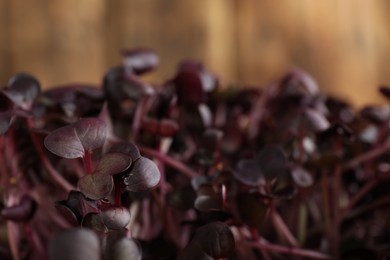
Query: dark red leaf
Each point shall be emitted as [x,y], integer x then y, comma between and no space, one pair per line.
[75,244]
[23,88]
[113,163]
[116,217]
[144,175]
[272,160]
[96,186]
[23,211]
[249,172]
[127,148]
[73,140]
[215,239]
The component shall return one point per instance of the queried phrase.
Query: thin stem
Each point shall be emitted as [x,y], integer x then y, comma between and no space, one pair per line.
[282,227]
[118,193]
[261,244]
[13,239]
[87,161]
[35,242]
[336,213]
[360,194]
[169,160]
[381,202]
[302,223]
[378,151]
[325,203]
[137,118]
[54,174]
[256,238]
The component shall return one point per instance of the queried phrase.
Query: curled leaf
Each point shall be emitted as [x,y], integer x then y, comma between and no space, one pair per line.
[20,212]
[140,60]
[23,88]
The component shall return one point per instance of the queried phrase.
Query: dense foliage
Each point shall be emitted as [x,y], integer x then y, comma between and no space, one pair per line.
[190,170]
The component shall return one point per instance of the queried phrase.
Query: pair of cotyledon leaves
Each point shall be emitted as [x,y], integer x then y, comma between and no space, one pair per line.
[18,96]
[88,134]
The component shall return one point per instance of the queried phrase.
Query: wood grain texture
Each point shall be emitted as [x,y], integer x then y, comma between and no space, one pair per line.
[344,44]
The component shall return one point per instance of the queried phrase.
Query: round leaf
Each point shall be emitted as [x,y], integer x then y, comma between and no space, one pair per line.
[23,88]
[301,177]
[249,172]
[272,161]
[140,61]
[73,140]
[20,212]
[125,249]
[127,148]
[75,244]
[95,222]
[113,163]
[96,186]
[215,239]
[144,175]
[116,217]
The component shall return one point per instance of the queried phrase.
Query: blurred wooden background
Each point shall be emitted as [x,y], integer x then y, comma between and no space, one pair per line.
[344,44]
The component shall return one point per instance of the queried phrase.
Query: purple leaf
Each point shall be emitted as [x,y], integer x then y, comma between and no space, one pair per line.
[75,244]
[77,204]
[139,61]
[124,249]
[73,140]
[127,148]
[23,211]
[23,88]
[249,172]
[302,177]
[144,175]
[189,87]
[272,160]
[113,163]
[215,239]
[96,186]
[116,218]
[95,222]
[208,199]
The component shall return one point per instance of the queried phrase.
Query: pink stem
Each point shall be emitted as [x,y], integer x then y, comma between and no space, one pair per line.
[137,118]
[367,156]
[87,161]
[35,242]
[54,174]
[168,160]
[282,228]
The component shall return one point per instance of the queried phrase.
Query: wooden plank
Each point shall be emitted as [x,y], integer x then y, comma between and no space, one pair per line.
[5,60]
[177,30]
[336,41]
[58,41]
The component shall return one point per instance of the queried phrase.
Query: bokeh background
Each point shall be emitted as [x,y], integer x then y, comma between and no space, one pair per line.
[345,44]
